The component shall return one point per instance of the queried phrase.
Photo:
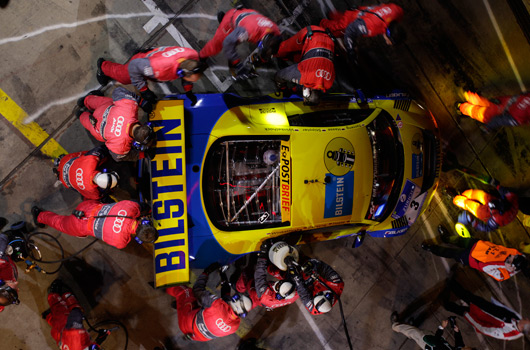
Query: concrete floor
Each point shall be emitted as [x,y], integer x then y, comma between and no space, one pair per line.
[48,52]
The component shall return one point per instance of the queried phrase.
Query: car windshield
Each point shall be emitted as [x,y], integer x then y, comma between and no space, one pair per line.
[387,152]
[241,184]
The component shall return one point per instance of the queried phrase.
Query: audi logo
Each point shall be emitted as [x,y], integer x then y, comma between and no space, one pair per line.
[79,178]
[322,73]
[222,325]
[119,125]
[264,22]
[118,222]
[172,52]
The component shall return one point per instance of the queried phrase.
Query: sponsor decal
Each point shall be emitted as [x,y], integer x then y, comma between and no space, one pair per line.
[79,178]
[220,323]
[339,156]
[285,180]
[322,73]
[417,155]
[118,222]
[173,52]
[118,123]
[264,22]
[399,122]
[410,191]
[168,184]
[267,110]
[339,196]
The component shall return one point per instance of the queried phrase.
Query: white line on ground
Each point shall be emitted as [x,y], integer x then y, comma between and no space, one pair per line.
[504,45]
[58,102]
[312,324]
[98,19]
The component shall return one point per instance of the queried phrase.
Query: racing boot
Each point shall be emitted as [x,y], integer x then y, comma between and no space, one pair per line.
[3,222]
[58,287]
[102,78]
[35,211]
[81,100]
[444,233]
[220,16]
[426,246]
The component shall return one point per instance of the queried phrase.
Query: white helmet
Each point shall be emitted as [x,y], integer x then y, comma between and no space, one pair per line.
[241,304]
[106,181]
[281,250]
[284,289]
[323,301]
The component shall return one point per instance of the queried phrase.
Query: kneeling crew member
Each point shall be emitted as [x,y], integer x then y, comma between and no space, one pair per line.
[8,275]
[115,122]
[112,223]
[165,63]
[66,319]
[313,50]
[203,316]
[80,172]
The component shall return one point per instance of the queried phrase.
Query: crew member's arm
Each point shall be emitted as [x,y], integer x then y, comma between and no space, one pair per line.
[139,69]
[204,297]
[230,43]
[260,276]
[101,152]
[327,273]
[4,241]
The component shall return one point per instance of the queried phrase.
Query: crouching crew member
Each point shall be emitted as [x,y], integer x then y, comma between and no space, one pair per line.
[317,284]
[66,319]
[80,172]
[8,275]
[112,223]
[263,292]
[165,63]
[115,122]
[203,316]
[313,50]
[366,21]
[241,25]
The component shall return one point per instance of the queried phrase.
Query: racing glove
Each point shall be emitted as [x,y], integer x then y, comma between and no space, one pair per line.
[264,248]
[244,72]
[148,100]
[191,96]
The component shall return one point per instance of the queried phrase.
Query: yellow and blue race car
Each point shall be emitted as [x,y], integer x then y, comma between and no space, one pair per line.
[231,172]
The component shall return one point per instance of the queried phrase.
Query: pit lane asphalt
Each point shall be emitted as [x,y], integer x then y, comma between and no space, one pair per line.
[451,45]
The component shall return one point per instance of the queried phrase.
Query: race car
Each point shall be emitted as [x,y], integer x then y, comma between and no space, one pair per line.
[231,172]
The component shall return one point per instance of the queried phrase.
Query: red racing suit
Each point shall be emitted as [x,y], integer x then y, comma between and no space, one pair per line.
[203,316]
[8,273]
[509,111]
[158,64]
[237,26]
[260,289]
[376,19]
[318,278]
[314,52]
[493,325]
[77,171]
[112,223]
[476,202]
[489,258]
[111,121]
[67,326]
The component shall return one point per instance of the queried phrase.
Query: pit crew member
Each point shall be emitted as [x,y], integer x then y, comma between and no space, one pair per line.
[203,316]
[497,261]
[165,63]
[66,319]
[81,172]
[317,284]
[313,50]
[366,21]
[487,212]
[240,25]
[112,223]
[115,122]
[8,273]
[500,111]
